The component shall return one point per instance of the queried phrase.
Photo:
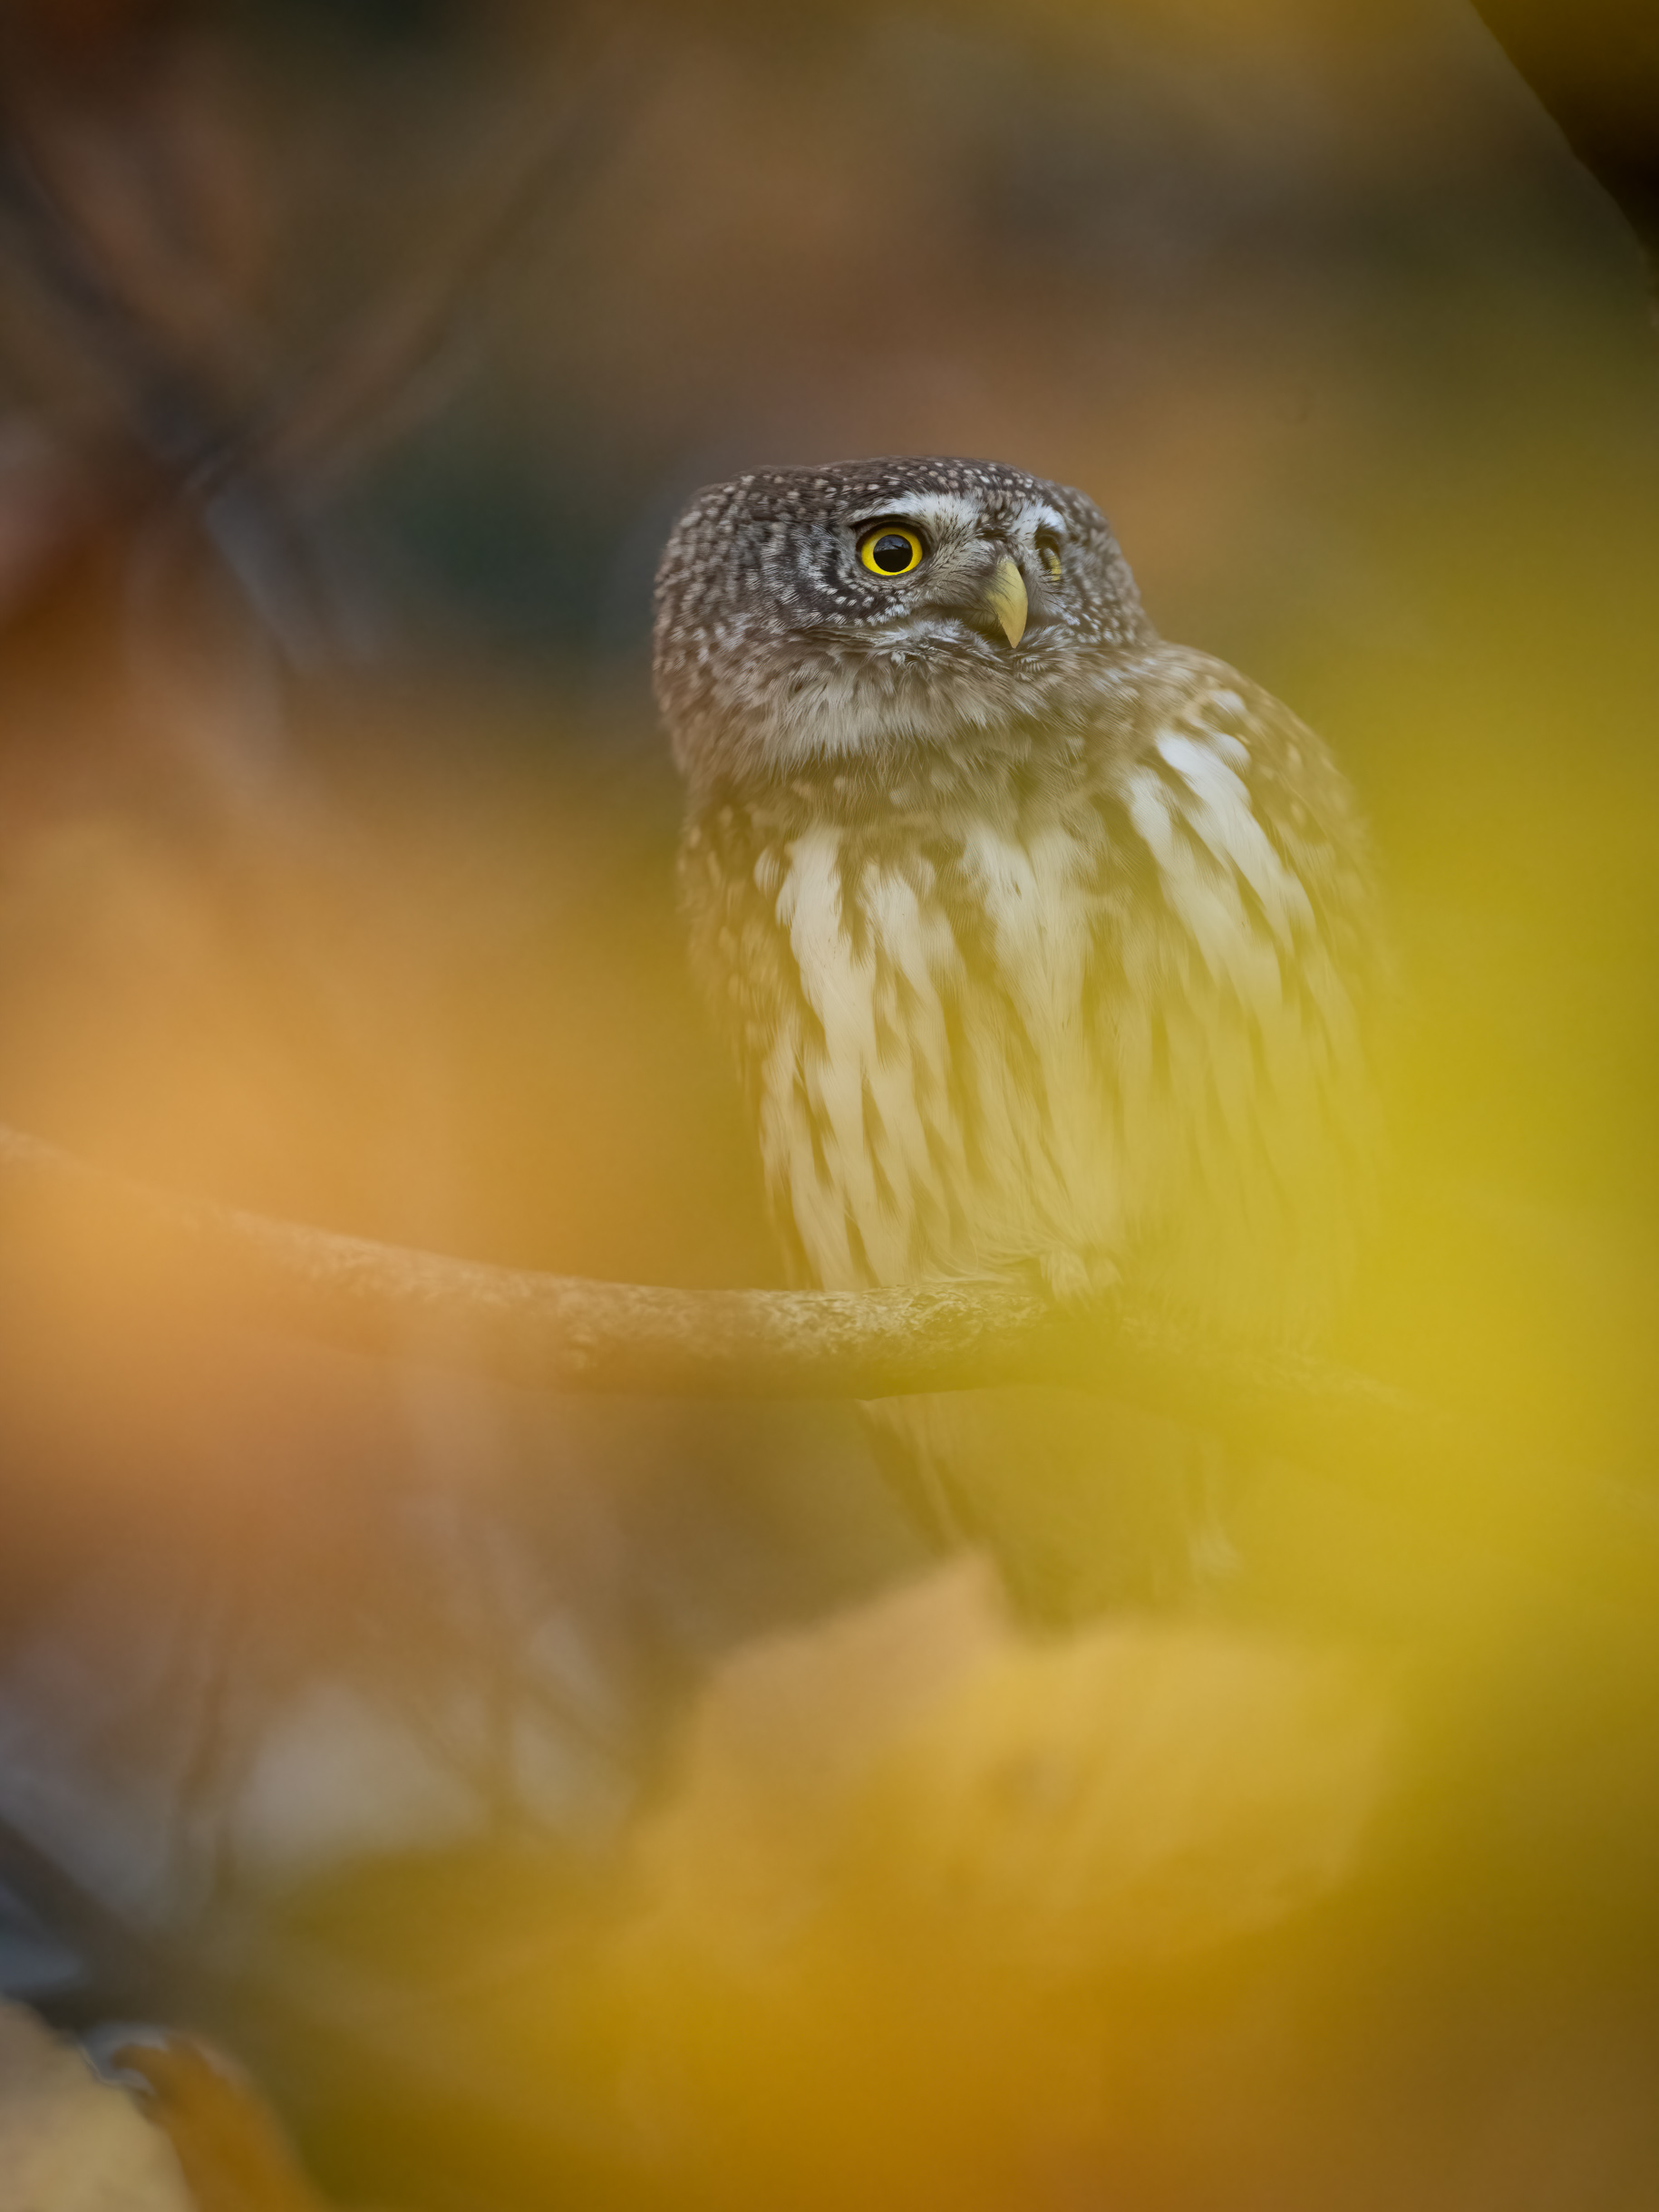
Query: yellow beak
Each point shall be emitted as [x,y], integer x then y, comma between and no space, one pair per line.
[1005,597]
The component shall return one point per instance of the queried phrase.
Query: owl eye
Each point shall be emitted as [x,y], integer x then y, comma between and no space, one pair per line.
[1048,553]
[888,551]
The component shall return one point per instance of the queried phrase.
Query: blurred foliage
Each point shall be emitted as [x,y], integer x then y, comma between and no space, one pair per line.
[353,361]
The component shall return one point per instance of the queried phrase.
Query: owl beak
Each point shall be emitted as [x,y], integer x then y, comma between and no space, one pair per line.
[1005,597]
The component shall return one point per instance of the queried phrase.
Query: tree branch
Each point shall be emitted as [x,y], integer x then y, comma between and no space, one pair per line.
[569,1332]
[566,1332]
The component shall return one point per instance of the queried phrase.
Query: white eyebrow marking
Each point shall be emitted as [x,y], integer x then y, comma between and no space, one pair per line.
[1040,514]
[937,506]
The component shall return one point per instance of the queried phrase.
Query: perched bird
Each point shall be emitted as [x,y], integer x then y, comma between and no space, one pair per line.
[1042,945]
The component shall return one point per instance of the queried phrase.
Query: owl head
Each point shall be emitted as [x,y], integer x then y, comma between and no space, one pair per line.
[813,614]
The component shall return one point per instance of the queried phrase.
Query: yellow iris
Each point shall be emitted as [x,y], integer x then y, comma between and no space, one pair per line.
[888,551]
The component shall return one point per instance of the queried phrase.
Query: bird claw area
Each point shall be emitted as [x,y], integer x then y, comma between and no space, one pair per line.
[1073,1278]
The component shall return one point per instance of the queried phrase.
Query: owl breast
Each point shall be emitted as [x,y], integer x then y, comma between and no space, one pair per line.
[932,1112]
[1091,1004]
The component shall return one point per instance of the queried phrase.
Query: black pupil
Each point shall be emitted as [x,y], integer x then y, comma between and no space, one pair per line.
[891,552]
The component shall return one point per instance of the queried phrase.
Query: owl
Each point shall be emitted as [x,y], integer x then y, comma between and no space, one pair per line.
[1046,950]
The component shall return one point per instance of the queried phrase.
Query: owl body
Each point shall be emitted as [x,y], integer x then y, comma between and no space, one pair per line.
[1040,952]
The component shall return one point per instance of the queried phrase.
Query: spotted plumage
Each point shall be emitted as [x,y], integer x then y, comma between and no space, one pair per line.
[1042,945]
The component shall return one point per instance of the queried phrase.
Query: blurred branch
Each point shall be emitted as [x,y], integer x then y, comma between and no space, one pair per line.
[123,239]
[174,369]
[571,1333]
[130,1965]
[566,1332]
[1594,69]
[374,378]
[301,2016]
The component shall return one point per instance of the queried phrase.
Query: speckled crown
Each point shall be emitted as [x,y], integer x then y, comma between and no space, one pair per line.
[765,620]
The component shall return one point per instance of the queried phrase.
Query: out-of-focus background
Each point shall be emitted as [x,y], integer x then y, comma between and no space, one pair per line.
[354,360]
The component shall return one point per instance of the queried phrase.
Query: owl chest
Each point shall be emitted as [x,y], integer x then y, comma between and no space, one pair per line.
[1131,1027]
[929,1092]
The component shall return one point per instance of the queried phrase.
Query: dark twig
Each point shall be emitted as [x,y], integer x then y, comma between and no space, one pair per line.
[299,2015]
[554,146]
[1595,68]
